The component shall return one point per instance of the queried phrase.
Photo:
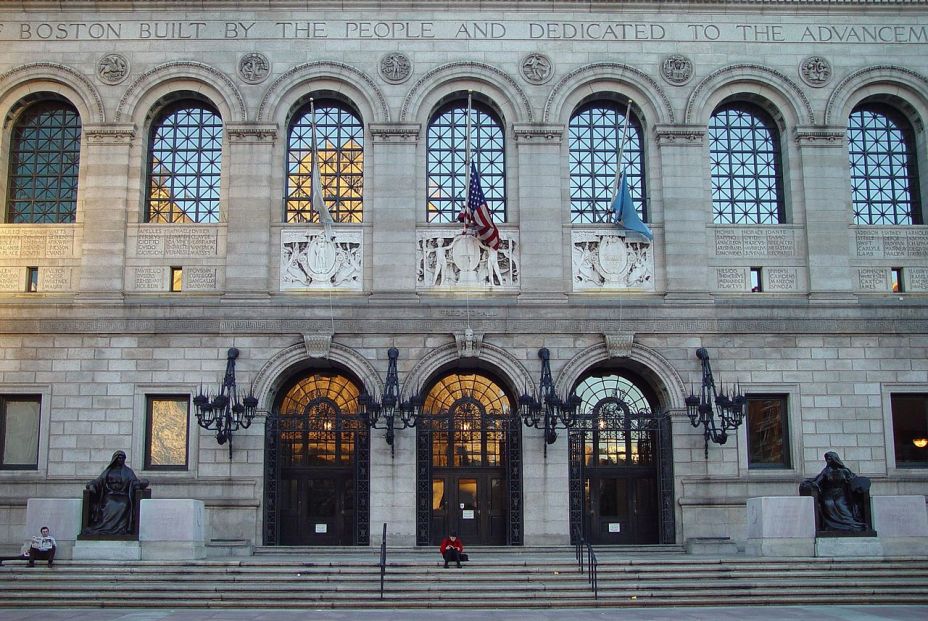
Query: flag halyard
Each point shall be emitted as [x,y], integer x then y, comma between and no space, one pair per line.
[476,213]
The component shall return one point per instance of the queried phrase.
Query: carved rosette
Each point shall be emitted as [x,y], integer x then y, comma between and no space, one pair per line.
[395,67]
[254,68]
[676,69]
[815,71]
[536,68]
[112,69]
[607,260]
[309,261]
[447,260]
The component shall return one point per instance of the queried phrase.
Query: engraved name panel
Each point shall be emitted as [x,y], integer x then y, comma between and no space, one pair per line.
[149,279]
[755,242]
[11,279]
[781,279]
[891,243]
[55,279]
[199,278]
[731,279]
[872,279]
[916,279]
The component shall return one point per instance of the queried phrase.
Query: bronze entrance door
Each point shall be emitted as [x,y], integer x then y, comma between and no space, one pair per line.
[620,457]
[317,508]
[317,473]
[468,463]
[470,503]
[621,507]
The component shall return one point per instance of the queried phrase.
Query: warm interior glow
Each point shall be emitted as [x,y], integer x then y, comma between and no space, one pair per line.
[920,442]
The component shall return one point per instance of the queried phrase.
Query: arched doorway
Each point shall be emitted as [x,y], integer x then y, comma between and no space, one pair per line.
[317,464]
[468,463]
[620,457]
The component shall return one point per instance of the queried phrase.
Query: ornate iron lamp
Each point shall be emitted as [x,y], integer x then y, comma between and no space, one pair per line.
[717,413]
[227,411]
[547,410]
[391,413]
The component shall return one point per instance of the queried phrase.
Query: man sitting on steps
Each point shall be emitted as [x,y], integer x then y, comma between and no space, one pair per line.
[452,549]
[42,547]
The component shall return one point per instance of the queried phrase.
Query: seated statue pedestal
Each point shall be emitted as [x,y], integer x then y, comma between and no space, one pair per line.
[780,526]
[173,529]
[839,545]
[902,522]
[103,550]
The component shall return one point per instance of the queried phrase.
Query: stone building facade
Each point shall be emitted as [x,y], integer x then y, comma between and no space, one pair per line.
[116,312]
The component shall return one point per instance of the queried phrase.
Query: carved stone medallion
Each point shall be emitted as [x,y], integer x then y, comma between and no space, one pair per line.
[815,71]
[677,69]
[320,259]
[395,68]
[536,68]
[613,257]
[112,68]
[254,68]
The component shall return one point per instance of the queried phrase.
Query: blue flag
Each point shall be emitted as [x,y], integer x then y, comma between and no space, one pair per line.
[624,213]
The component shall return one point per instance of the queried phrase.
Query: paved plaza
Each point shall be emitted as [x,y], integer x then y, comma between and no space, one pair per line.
[761,613]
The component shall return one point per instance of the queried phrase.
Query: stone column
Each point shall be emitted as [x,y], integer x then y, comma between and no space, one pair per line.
[826,187]
[687,208]
[544,213]
[104,208]
[393,214]
[251,209]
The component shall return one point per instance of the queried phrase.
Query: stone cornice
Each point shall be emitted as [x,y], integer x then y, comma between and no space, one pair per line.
[106,134]
[538,132]
[587,5]
[252,132]
[820,136]
[680,135]
[395,132]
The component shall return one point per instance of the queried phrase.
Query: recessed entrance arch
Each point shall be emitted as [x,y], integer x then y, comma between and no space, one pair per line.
[469,462]
[620,459]
[317,463]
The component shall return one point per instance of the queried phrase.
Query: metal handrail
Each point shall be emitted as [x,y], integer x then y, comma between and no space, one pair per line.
[590,564]
[592,570]
[383,558]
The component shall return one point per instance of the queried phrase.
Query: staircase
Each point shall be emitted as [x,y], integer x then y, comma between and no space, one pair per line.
[495,578]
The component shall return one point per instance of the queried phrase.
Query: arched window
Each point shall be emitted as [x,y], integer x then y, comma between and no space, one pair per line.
[594,132]
[340,153]
[446,150]
[44,161]
[319,421]
[884,182]
[184,160]
[469,428]
[621,429]
[744,151]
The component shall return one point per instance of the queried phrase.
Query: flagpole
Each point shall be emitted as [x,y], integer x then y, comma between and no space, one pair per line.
[618,163]
[325,219]
[467,149]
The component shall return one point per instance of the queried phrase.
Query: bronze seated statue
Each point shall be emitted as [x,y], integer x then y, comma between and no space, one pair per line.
[842,500]
[112,502]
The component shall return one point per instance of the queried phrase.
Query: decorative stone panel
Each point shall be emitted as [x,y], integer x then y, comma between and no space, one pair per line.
[309,261]
[449,260]
[607,260]
[890,242]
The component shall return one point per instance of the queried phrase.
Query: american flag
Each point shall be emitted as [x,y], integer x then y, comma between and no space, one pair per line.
[477,215]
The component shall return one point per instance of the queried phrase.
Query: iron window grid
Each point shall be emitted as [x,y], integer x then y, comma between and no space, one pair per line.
[340,151]
[594,132]
[881,154]
[44,164]
[744,155]
[445,165]
[184,161]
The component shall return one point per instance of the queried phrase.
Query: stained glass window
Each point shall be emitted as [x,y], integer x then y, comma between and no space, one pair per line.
[44,162]
[594,132]
[744,154]
[446,152]
[884,184]
[184,160]
[340,151]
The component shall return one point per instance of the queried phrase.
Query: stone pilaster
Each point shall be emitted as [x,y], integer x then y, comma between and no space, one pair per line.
[543,212]
[103,208]
[250,208]
[393,172]
[827,193]
[687,206]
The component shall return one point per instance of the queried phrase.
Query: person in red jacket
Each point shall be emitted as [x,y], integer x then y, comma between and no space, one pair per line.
[451,549]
